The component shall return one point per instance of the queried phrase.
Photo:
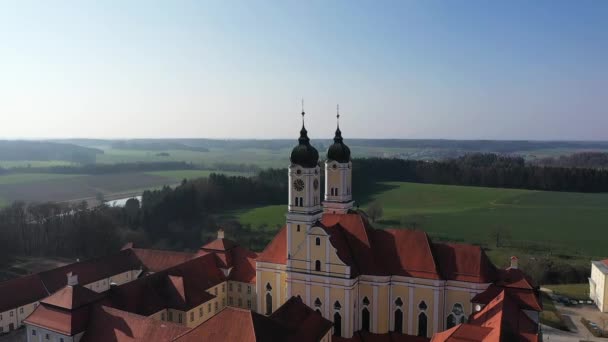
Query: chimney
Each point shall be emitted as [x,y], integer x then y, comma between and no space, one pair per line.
[72,279]
[220,233]
[514,262]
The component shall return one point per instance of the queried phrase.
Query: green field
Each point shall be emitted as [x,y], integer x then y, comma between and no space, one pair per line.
[263,158]
[575,291]
[179,175]
[23,178]
[41,187]
[557,221]
[34,163]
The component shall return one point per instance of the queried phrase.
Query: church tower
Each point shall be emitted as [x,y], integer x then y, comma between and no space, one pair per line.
[304,208]
[338,176]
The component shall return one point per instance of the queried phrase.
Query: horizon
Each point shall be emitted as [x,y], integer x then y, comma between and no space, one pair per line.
[469,71]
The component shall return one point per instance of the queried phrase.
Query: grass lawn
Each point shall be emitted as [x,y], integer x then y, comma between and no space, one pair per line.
[575,291]
[270,216]
[179,175]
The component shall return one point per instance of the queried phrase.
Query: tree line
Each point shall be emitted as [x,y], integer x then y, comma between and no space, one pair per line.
[186,216]
[488,170]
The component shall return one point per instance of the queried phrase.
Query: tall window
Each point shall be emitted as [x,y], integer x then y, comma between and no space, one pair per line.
[268,303]
[298,228]
[422,324]
[318,266]
[318,241]
[398,321]
[365,319]
[337,324]
[398,317]
[301,201]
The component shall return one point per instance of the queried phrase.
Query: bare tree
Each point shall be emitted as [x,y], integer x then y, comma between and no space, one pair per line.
[375,211]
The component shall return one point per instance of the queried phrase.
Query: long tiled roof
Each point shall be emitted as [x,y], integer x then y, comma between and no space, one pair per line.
[293,321]
[276,251]
[230,255]
[24,290]
[108,324]
[181,287]
[399,252]
[72,297]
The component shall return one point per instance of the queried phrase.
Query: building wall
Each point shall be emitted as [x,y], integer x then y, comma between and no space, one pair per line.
[37,334]
[598,288]
[15,316]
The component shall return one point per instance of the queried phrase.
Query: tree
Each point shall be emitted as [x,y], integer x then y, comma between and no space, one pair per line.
[375,211]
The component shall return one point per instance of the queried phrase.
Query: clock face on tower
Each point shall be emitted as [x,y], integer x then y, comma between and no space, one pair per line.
[315,184]
[298,184]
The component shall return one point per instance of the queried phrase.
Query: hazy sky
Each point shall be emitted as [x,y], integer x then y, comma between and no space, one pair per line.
[404,69]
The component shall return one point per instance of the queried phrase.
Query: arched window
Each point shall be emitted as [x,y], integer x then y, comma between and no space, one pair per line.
[337,306]
[365,319]
[318,302]
[422,324]
[337,191]
[268,303]
[318,266]
[365,301]
[301,201]
[398,321]
[398,302]
[268,287]
[318,241]
[337,324]
[297,202]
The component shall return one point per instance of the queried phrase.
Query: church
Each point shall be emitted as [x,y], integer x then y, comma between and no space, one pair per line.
[363,279]
[327,275]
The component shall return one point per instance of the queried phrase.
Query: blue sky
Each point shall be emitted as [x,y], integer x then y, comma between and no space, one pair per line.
[232,69]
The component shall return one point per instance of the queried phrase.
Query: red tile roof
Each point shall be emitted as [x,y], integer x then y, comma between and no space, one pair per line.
[230,255]
[157,260]
[293,321]
[108,324]
[90,271]
[233,324]
[219,245]
[462,333]
[463,262]
[514,278]
[67,322]
[72,297]
[24,290]
[362,336]
[302,322]
[526,299]
[181,287]
[276,251]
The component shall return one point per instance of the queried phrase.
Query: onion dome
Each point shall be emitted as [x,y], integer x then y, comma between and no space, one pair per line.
[338,151]
[304,154]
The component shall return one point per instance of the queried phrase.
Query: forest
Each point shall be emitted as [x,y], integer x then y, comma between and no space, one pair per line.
[186,216]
